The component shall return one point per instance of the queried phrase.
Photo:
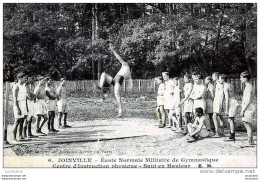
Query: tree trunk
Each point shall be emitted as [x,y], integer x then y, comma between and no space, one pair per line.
[93,39]
[243,43]
[218,35]
[96,37]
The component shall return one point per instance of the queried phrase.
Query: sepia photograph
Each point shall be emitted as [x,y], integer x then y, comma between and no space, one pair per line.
[129,85]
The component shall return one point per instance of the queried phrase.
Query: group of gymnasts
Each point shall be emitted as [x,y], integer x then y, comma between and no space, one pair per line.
[204,103]
[37,98]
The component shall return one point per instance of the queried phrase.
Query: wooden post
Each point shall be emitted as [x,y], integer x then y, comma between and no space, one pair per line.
[154,86]
[6,103]
[139,85]
[94,89]
[83,88]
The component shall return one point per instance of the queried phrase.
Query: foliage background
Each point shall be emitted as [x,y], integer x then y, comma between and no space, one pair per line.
[71,40]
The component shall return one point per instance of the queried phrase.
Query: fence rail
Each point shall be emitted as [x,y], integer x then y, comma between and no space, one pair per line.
[139,86]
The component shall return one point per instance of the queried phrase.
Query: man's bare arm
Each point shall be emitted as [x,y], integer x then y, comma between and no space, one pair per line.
[16,95]
[50,94]
[248,100]
[188,96]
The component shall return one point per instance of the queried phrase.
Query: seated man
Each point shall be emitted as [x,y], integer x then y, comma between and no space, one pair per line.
[198,128]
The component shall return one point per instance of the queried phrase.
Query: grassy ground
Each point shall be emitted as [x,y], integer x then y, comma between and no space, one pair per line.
[96,131]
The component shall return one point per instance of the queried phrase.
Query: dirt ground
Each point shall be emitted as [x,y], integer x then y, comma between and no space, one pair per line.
[96,131]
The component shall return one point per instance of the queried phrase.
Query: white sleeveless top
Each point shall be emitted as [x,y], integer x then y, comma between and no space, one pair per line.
[22,93]
[161,89]
[63,94]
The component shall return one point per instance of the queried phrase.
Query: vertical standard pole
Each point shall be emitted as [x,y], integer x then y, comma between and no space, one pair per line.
[139,85]
[180,121]
[6,103]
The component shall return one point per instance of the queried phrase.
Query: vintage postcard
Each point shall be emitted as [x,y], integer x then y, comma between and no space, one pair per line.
[130,85]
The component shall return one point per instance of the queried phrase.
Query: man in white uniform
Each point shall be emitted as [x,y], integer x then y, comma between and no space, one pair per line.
[19,107]
[62,104]
[160,112]
[248,105]
[209,97]
[218,105]
[168,97]
[187,102]
[231,105]
[51,104]
[31,109]
[40,104]
[198,93]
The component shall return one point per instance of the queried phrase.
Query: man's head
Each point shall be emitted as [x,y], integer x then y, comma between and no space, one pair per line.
[208,80]
[199,111]
[22,77]
[222,78]
[159,79]
[29,80]
[198,79]
[165,76]
[63,81]
[49,80]
[187,78]
[245,76]
[215,76]
[42,80]
[193,75]
[175,81]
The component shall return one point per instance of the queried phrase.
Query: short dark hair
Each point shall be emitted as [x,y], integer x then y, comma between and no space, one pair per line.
[224,76]
[199,110]
[187,76]
[194,73]
[209,78]
[21,75]
[245,74]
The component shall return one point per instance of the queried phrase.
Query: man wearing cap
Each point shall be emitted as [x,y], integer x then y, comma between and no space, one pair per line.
[50,104]
[210,92]
[248,105]
[40,104]
[123,74]
[231,105]
[62,104]
[19,108]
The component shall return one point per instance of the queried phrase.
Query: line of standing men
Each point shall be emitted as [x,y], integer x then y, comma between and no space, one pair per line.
[204,104]
[38,103]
